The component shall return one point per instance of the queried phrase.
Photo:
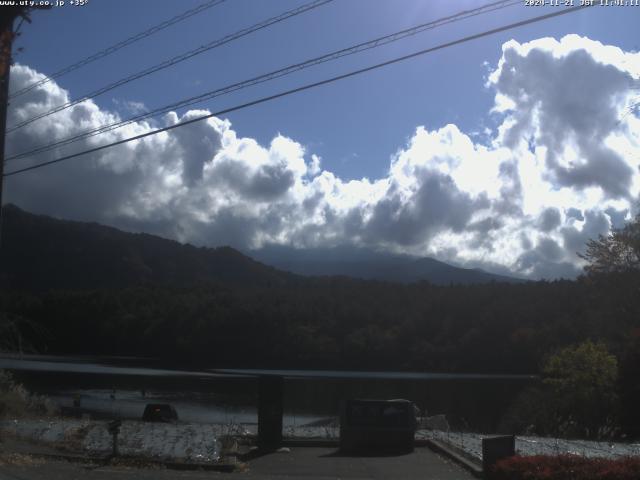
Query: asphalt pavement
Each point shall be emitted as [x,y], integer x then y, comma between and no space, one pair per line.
[300,463]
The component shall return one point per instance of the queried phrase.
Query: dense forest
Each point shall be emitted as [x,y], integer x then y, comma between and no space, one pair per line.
[255,316]
[333,322]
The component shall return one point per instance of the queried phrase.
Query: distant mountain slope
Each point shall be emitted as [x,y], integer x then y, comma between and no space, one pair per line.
[367,264]
[40,252]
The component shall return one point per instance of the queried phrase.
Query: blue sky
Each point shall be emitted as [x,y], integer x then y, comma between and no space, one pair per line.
[355,125]
[363,127]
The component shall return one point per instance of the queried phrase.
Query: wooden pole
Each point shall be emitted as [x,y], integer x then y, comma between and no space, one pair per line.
[7,16]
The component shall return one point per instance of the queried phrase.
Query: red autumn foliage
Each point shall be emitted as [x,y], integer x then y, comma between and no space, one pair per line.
[566,467]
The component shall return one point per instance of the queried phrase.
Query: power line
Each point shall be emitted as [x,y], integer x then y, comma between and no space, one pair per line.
[275,74]
[377,42]
[17,30]
[178,59]
[630,110]
[306,87]
[114,48]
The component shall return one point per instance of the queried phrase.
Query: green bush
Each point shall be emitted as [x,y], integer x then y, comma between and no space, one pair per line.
[583,381]
[576,398]
[531,413]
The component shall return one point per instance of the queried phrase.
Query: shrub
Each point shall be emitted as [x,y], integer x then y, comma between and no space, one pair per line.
[16,401]
[583,379]
[565,467]
[531,413]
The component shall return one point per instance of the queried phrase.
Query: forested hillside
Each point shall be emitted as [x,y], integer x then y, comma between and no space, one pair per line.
[41,253]
[280,320]
[335,322]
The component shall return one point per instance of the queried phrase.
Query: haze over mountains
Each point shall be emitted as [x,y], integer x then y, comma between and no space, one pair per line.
[371,265]
[41,252]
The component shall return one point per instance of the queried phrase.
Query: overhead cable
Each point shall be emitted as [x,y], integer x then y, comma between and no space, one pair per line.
[177,59]
[114,48]
[377,42]
[309,86]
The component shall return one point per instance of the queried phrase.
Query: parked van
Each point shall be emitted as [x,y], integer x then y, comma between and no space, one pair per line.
[369,425]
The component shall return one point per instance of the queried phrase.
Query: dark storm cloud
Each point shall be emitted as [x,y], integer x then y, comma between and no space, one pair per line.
[436,205]
[595,223]
[574,213]
[198,144]
[618,217]
[549,219]
[545,261]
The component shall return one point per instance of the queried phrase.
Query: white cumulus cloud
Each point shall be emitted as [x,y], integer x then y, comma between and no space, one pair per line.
[561,167]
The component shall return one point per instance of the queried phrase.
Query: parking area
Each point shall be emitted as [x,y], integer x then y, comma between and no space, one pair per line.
[298,463]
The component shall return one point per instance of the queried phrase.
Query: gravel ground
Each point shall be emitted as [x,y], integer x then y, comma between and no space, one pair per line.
[312,432]
[202,443]
[471,443]
[183,442]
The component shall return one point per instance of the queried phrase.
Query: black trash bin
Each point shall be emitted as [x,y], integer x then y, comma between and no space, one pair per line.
[377,425]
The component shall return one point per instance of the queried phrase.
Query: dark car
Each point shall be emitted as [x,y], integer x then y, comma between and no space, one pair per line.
[372,425]
[159,412]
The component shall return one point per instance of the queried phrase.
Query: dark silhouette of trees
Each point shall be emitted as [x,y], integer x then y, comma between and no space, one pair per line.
[218,308]
[614,275]
[617,252]
[629,387]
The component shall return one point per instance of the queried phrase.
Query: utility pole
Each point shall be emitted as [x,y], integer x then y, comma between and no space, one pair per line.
[7,16]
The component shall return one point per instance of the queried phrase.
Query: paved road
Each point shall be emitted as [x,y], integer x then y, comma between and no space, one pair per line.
[302,463]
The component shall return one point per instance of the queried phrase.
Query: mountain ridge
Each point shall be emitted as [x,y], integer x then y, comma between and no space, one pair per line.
[91,255]
[368,264]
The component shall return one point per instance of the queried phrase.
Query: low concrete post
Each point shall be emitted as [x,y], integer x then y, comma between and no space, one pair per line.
[496,448]
[270,411]
[114,430]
